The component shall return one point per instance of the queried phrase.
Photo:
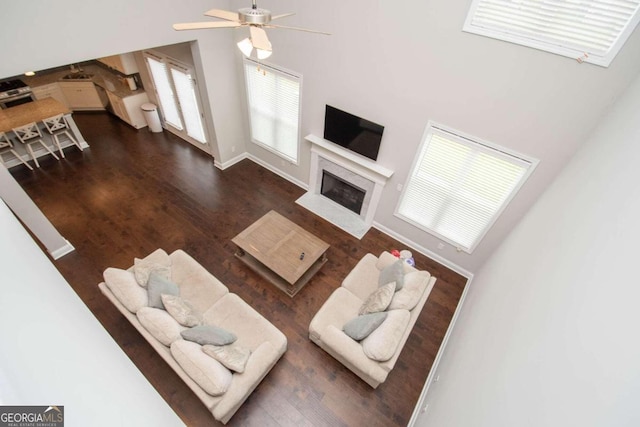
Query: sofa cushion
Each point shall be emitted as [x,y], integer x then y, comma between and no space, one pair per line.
[393,273]
[379,300]
[160,324]
[382,344]
[361,326]
[181,310]
[232,356]
[408,297]
[158,285]
[209,334]
[208,373]
[125,288]
[158,262]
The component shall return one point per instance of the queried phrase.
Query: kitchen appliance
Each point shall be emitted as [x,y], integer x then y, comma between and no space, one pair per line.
[14,92]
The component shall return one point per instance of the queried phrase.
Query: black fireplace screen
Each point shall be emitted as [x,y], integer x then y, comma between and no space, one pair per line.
[342,192]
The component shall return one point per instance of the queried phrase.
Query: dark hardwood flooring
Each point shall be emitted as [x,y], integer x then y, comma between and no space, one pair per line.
[134,191]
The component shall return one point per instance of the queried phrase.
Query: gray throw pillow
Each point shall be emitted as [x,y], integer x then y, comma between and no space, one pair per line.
[393,273]
[209,334]
[157,286]
[360,327]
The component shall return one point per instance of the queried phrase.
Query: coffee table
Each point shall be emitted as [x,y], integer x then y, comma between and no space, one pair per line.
[281,251]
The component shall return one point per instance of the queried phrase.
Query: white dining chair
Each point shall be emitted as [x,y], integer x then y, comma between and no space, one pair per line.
[6,147]
[57,126]
[30,135]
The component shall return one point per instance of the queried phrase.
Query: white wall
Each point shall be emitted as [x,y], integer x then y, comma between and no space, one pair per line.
[54,352]
[548,335]
[397,64]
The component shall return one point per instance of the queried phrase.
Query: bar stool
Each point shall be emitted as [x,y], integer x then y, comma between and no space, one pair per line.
[30,135]
[58,126]
[7,147]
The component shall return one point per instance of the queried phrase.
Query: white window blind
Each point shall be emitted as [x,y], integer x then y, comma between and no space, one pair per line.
[274,108]
[588,30]
[165,92]
[185,89]
[457,187]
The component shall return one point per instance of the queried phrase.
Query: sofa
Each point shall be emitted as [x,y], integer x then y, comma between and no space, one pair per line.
[203,302]
[374,356]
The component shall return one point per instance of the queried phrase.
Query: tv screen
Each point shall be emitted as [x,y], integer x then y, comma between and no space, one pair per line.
[352,132]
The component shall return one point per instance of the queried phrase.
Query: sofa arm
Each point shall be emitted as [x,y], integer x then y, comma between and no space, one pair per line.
[349,353]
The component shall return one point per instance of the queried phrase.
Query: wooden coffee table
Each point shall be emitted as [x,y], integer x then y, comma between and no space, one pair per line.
[282,252]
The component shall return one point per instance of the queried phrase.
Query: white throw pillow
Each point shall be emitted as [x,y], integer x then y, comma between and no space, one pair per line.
[123,285]
[382,344]
[181,310]
[379,299]
[232,356]
[160,324]
[142,269]
[207,372]
[408,297]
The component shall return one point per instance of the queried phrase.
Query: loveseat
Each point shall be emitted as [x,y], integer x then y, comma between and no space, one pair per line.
[208,303]
[374,356]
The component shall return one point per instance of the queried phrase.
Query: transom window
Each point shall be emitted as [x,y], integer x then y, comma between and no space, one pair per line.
[458,186]
[588,30]
[273,97]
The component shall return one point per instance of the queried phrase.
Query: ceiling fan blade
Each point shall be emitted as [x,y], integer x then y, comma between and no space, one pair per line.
[223,14]
[205,25]
[259,38]
[284,15]
[297,29]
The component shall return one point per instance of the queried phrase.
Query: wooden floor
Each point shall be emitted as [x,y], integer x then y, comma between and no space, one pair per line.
[134,191]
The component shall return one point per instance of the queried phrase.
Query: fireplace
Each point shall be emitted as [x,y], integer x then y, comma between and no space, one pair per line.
[342,192]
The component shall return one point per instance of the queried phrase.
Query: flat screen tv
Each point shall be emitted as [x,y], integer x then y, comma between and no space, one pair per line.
[352,132]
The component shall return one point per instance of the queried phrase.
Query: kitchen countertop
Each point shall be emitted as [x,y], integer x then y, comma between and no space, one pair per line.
[31,112]
[101,77]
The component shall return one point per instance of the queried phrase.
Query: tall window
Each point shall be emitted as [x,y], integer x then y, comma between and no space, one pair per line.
[273,97]
[176,90]
[459,186]
[588,30]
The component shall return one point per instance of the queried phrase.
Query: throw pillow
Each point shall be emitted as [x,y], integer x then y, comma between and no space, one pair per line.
[142,269]
[157,286]
[181,310]
[209,334]
[382,344]
[392,273]
[415,284]
[361,326]
[233,357]
[123,285]
[160,324]
[379,299]
[208,373]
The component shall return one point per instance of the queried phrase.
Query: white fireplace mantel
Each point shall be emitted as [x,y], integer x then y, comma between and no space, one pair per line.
[324,152]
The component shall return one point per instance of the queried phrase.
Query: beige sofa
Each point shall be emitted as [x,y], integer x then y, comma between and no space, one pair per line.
[218,307]
[386,342]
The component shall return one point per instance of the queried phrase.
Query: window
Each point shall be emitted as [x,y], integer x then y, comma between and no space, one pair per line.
[273,97]
[176,90]
[588,30]
[458,186]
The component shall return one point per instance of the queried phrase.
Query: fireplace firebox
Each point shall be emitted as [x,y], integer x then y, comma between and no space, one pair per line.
[342,192]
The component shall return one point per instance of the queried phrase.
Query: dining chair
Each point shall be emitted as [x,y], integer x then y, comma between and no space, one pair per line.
[57,126]
[30,135]
[6,146]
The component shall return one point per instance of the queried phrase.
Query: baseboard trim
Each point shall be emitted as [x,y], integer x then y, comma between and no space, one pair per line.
[62,251]
[278,172]
[229,163]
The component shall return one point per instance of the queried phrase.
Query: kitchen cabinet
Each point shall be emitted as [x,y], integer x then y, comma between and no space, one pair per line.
[129,108]
[81,96]
[51,90]
[124,63]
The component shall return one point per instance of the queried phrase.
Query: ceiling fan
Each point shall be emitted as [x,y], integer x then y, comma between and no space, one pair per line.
[255,18]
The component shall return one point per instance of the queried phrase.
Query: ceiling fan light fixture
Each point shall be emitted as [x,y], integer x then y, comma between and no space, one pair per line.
[263,54]
[246,47]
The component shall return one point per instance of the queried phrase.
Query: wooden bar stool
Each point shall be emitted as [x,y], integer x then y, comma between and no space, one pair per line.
[30,135]
[7,147]
[57,126]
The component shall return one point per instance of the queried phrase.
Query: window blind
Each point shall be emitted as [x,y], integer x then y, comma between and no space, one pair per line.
[457,187]
[274,106]
[185,90]
[573,28]
[165,92]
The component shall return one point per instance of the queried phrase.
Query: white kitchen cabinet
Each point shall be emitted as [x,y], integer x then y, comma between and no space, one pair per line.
[124,63]
[81,96]
[129,108]
[51,90]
